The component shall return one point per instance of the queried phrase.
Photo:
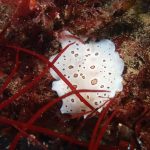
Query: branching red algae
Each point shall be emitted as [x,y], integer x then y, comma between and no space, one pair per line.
[47,13]
[41,130]
[7,102]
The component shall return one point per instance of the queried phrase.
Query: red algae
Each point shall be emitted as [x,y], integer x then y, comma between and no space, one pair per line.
[22,91]
[101,116]
[8,80]
[24,107]
[103,130]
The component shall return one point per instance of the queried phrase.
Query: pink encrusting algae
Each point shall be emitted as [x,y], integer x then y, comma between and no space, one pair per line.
[24,127]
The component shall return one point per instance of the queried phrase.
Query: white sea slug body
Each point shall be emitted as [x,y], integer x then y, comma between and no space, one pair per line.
[94,66]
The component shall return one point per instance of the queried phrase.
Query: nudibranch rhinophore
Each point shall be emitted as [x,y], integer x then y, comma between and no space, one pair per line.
[94,66]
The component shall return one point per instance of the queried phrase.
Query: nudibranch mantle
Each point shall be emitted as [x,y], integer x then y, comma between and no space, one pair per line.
[94,66]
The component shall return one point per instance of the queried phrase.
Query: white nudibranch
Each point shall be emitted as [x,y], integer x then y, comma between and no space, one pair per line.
[94,66]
